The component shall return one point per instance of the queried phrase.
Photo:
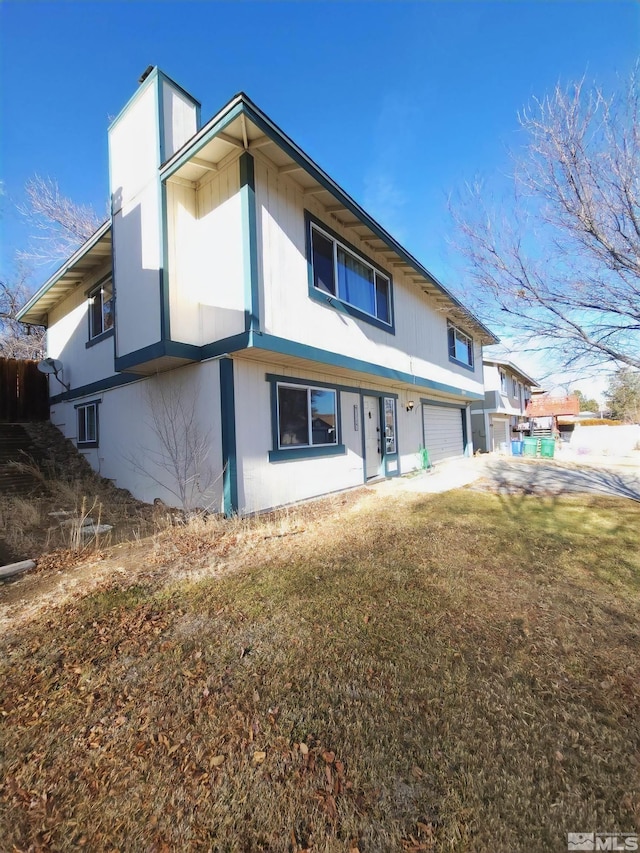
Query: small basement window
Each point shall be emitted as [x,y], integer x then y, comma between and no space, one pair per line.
[101,309]
[87,414]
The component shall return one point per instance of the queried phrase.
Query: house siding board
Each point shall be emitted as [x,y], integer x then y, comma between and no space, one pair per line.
[126,430]
[180,118]
[137,272]
[419,344]
[68,334]
[205,259]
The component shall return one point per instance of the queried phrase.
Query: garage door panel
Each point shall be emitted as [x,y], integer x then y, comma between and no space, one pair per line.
[442,431]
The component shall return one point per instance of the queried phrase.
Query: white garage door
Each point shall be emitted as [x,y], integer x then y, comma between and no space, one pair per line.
[442,432]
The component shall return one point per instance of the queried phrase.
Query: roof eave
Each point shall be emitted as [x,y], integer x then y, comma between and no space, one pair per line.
[242,103]
[68,265]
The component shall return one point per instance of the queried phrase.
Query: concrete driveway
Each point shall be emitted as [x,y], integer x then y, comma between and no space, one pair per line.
[513,475]
[520,475]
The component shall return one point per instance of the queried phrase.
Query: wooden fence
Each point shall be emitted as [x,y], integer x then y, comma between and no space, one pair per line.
[24,391]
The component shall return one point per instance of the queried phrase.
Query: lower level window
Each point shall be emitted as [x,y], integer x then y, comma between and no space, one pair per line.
[88,425]
[307,417]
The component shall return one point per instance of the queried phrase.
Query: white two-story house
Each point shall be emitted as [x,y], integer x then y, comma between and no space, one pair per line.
[507,390]
[242,325]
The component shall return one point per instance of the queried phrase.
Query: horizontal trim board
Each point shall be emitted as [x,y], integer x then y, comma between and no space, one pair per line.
[271,343]
[164,348]
[306,452]
[95,387]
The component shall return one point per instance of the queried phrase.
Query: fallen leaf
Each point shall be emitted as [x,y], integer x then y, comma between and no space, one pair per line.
[217,760]
[259,757]
[304,749]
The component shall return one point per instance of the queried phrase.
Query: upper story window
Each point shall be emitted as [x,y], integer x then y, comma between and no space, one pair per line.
[503,382]
[339,271]
[101,308]
[460,347]
[514,387]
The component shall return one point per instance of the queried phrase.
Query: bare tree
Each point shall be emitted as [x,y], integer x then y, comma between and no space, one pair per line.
[177,456]
[16,339]
[59,225]
[559,266]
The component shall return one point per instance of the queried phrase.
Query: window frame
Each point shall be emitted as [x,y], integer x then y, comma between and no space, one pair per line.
[281,453]
[453,330]
[335,300]
[97,290]
[83,408]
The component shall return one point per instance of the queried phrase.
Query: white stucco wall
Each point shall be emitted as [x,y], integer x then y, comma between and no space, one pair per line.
[128,430]
[420,343]
[206,273]
[68,334]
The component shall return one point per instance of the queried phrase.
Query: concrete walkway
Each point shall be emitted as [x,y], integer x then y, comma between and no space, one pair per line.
[521,475]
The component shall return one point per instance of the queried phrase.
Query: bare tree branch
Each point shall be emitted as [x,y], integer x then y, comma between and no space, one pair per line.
[59,225]
[559,265]
[16,339]
[177,457]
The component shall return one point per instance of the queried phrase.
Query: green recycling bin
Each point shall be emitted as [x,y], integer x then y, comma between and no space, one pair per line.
[547,447]
[530,446]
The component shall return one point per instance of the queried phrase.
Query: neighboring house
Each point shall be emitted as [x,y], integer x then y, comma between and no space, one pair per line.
[507,391]
[242,324]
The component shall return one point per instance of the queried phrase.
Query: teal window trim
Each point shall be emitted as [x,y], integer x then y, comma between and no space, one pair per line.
[81,409]
[103,336]
[297,453]
[334,301]
[90,294]
[282,454]
[452,328]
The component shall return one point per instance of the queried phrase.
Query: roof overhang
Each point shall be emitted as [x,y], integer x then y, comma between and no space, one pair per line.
[241,125]
[501,362]
[87,259]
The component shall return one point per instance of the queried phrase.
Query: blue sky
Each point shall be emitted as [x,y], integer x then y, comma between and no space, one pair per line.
[398,102]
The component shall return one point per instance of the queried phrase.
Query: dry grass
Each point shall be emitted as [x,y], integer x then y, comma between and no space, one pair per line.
[29,531]
[358,673]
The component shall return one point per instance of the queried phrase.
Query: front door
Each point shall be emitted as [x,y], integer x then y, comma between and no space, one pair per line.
[372,437]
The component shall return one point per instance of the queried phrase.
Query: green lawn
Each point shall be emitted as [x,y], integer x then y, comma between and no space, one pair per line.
[445,672]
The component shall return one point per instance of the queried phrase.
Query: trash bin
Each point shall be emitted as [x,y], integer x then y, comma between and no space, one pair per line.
[516,448]
[547,447]
[530,446]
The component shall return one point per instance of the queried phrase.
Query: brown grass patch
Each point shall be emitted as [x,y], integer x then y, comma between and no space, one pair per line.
[451,672]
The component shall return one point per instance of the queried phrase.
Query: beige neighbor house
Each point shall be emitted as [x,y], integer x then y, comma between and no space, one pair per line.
[240,306]
[494,420]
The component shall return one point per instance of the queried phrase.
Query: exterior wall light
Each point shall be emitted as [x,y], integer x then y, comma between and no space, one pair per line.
[410,405]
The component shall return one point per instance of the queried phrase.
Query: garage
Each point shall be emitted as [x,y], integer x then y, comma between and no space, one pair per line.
[443,431]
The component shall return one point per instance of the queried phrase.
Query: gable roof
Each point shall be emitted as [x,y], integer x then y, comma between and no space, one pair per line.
[242,124]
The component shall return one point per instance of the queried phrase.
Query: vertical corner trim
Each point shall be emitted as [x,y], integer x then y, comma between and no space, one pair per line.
[228,436]
[249,242]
